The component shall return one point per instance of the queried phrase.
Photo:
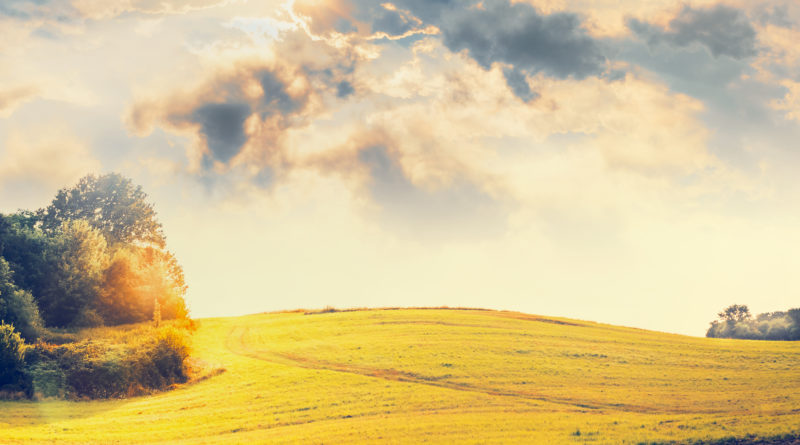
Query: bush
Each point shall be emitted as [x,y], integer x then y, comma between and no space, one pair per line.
[100,370]
[46,379]
[12,359]
[17,306]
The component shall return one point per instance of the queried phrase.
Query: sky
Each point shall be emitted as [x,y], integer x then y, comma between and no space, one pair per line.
[628,162]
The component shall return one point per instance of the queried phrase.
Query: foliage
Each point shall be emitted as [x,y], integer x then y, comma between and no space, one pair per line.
[112,204]
[17,306]
[95,256]
[735,312]
[79,259]
[150,360]
[135,279]
[736,322]
[26,248]
[12,357]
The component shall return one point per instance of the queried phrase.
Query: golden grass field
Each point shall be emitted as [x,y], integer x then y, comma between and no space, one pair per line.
[447,376]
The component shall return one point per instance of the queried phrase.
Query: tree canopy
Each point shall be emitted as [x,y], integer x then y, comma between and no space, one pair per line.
[110,203]
[735,312]
[735,321]
[96,255]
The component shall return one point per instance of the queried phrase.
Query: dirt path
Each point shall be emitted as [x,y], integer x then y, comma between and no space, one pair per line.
[237,343]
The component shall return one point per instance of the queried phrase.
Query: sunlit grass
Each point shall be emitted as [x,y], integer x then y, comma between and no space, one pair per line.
[443,376]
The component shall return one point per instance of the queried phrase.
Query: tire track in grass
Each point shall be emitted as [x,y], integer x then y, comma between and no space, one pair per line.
[236,343]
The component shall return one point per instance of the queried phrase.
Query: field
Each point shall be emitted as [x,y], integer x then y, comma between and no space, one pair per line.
[465,376]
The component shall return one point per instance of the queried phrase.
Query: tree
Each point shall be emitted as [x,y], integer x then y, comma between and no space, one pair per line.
[112,204]
[25,248]
[138,279]
[794,315]
[17,306]
[735,313]
[78,260]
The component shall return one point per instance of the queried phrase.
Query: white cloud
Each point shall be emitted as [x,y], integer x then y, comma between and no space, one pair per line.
[47,155]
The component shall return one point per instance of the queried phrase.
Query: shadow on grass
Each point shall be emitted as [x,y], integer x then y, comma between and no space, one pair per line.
[782,439]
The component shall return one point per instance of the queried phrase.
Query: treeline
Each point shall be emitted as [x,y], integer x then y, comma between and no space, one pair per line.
[96,256]
[736,321]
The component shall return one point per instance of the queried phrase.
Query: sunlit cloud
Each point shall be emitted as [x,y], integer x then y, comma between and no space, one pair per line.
[622,153]
[68,157]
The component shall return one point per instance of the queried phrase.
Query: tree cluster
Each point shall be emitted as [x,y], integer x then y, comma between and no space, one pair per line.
[736,321]
[95,256]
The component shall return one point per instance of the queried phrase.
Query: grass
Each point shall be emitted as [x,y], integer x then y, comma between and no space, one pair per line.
[443,376]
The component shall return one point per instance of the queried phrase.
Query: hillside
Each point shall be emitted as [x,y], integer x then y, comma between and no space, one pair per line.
[443,376]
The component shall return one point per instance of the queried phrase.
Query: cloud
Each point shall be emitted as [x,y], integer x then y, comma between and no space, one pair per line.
[723,30]
[222,127]
[518,83]
[11,99]
[98,9]
[47,156]
[516,34]
[344,89]
[237,119]
[35,9]
[513,34]
[778,15]
[460,208]
[368,18]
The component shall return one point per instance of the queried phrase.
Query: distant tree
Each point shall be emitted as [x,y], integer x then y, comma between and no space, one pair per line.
[112,204]
[794,315]
[735,313]
[78,260]
[736,322]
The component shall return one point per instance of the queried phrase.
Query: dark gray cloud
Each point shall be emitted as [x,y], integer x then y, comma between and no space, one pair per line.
[222,127]
[496,31]
[344,89]
[220,109]
[460,209]
[723,30]
[518,83]
[518,35]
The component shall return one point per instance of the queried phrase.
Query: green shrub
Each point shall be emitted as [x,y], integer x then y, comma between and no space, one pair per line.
[17,306]
[96,369]
[47,379]
[12,359]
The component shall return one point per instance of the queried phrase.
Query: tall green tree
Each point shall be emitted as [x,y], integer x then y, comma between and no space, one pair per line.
[78,260]
[25,247]
[112,204]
